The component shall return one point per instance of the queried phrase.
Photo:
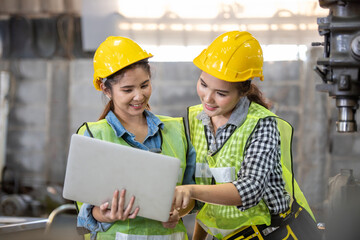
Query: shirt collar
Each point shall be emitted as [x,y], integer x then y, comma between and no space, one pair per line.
[154,124]
[240,112]
[237,117]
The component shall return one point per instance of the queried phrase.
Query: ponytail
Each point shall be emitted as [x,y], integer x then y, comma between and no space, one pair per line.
[253,93]
[109,106]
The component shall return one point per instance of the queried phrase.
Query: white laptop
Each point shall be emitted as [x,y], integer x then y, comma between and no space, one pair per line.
[96,168]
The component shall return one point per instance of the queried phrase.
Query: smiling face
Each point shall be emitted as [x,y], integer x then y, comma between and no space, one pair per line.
[130,93]
[218,97]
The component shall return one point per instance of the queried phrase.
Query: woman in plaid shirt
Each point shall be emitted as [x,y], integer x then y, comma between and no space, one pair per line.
[242,175]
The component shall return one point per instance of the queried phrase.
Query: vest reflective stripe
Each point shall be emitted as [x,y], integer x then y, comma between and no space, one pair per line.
[215,231]
[174,236]
[221,175]
[203,171]
[174,143]
[224,174]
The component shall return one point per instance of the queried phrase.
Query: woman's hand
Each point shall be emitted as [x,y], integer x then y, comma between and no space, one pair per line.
[117,211]
[173,220]
[223,194]
[182,197]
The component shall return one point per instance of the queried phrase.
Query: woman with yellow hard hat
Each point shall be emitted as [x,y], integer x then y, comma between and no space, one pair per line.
[122,73]
[245,186]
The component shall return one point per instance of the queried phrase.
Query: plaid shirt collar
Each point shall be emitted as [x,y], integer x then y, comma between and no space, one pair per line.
[237,118]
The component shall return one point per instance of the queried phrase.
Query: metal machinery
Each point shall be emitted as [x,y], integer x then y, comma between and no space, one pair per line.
[339,69]
[341,61]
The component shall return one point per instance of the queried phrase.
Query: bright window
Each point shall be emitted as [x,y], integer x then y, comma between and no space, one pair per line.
[180,30]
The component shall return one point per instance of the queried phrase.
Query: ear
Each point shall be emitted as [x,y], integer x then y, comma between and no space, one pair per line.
[105,90]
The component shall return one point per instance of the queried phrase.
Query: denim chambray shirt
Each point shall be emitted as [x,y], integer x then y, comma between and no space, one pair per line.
[152,141]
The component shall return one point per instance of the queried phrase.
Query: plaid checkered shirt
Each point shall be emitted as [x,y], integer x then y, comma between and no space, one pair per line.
[260,175]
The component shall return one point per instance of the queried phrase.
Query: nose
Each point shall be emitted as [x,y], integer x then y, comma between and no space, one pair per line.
[138,95]
[208,96]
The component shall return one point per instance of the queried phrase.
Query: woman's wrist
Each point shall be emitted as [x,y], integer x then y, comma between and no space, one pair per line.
[97,216]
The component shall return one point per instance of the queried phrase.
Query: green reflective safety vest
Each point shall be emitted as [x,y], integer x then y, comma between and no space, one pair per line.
[174,143]
[223,165]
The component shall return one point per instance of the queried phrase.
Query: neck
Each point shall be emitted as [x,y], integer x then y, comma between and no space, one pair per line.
[137,125]
[218,121]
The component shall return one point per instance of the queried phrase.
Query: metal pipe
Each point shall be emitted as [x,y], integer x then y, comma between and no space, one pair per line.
[346,118]
[4,110]
[56,212]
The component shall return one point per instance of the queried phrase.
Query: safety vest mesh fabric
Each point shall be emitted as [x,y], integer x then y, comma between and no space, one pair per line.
[174,143]
[221,220]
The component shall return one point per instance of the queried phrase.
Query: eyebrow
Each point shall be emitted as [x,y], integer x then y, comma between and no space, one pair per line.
[218,90]
[131,86]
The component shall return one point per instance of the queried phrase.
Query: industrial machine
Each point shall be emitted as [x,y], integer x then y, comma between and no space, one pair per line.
[339,69]
[341,60]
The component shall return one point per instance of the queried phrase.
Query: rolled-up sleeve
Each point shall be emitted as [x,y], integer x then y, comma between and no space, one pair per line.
[261,155]
[189,175]
[85,219]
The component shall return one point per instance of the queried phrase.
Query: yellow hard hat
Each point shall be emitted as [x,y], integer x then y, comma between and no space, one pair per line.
[114,54]
[233,57]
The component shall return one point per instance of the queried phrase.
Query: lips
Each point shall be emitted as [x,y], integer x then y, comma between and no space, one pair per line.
[136,106]
[209,107]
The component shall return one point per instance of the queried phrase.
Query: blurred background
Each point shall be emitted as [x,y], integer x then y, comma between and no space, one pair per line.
[46,50]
